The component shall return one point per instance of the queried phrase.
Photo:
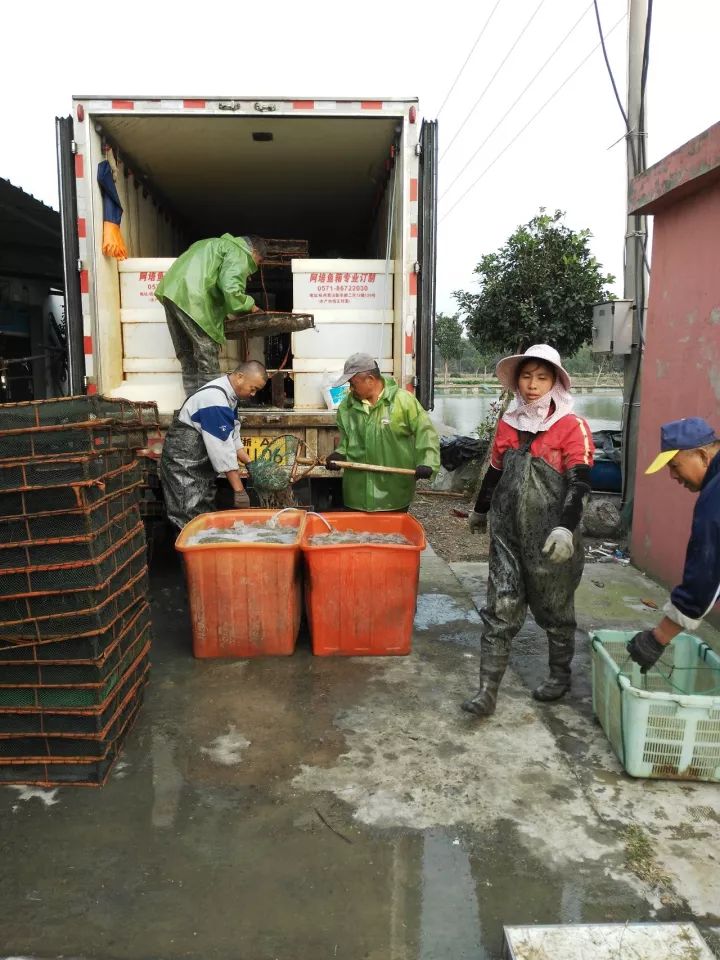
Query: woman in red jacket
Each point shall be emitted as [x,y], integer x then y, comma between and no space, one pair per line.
[533,493]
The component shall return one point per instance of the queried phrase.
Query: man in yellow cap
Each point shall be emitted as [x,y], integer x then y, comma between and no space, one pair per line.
[691,451]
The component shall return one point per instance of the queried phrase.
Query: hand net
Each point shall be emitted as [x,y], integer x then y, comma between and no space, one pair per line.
[273,472]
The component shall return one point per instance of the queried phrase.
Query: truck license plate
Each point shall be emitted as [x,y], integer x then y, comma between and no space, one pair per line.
[255,447]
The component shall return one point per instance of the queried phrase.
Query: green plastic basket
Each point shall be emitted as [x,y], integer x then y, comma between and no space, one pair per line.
[26,529]
[73,672]
[63,411]
[68,493]
[59,566]
[92,721]
[69,695]
[664,724]
[60,770]
[77,623]
[81,649]
[90,469]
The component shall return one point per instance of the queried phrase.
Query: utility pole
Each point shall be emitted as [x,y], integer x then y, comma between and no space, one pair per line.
[636,276]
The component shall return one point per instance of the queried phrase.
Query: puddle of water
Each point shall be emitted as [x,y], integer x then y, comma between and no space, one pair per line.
[437,609]
[449,922]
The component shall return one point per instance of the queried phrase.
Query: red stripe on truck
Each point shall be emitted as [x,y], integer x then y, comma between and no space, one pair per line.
[413,230]
[79,166]
[193,104]
[84,282]
[371,104]
[87,341]
[412,284]
[408,343]
[82,229]
[123,104]
[91,388]
[303,104]
[413,188]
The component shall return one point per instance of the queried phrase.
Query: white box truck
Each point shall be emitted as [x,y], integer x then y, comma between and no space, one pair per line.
[354,179]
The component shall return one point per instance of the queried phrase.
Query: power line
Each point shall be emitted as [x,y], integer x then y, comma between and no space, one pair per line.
[643,78]
[628,131]
[492,78]
[467,59]
[609,68]
[637,155]
[517,100]
[532,118]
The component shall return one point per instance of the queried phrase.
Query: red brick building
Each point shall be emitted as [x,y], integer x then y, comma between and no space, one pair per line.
[681,363]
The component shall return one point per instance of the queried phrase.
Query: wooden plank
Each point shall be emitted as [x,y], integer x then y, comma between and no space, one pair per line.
[266,324]
[291,419]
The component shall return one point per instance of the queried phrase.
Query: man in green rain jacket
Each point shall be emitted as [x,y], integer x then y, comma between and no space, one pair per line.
[206,283]
[381,424]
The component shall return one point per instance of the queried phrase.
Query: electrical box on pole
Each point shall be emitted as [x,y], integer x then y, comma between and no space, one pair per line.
[612,327]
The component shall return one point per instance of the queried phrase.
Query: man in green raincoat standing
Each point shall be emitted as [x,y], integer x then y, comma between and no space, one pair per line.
[200,289]
[381,424]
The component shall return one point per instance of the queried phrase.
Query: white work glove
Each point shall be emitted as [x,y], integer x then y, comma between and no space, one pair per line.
[559,546]
[477,522]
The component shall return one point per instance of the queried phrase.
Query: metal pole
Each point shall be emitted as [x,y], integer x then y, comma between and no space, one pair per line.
[635,273]
[71,257]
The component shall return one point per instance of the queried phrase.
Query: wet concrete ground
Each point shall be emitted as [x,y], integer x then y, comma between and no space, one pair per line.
[322,808]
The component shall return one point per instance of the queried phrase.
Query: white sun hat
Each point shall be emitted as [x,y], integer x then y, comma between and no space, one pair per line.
[507,368]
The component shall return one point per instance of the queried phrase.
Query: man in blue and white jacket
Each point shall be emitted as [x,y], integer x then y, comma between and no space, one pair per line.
[203,441]
[691,450]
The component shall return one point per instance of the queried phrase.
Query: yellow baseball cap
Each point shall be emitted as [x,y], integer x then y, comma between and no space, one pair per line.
[660,461]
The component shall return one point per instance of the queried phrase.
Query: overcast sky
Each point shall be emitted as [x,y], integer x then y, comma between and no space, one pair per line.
[565,159]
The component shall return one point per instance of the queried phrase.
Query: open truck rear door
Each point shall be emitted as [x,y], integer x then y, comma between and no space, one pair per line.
[427,257]
[71,254]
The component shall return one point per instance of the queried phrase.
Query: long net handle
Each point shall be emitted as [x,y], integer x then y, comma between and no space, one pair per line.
[349,465]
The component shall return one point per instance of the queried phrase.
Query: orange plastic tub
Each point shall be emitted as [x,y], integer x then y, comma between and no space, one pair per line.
[245,598]
[360,599]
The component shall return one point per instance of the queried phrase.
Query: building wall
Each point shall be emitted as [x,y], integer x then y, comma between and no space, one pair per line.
[681,369]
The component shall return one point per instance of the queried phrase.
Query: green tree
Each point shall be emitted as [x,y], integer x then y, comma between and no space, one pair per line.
[448,338]
[538,288]
[582,362]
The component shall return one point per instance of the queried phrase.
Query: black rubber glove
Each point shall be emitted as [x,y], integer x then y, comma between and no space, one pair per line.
[578,487]
[422,472]
[487,488]
[477,522]
[645,649]
[331,461]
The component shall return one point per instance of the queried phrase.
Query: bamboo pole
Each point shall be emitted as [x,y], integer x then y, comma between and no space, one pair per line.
[349,465]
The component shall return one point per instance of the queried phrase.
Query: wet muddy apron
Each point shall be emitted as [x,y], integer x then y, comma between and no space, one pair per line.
[186,474]
[526,505]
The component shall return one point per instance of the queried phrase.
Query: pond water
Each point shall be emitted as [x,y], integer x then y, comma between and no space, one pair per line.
[603,411]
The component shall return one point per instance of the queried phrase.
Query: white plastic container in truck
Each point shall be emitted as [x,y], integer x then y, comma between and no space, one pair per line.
[353,180]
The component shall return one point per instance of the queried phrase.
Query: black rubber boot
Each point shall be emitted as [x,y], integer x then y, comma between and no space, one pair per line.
[554,688]
[492,668]
[557,684]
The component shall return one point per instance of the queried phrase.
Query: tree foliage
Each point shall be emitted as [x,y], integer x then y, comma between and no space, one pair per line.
[538,288]
[449,336]
[448,339]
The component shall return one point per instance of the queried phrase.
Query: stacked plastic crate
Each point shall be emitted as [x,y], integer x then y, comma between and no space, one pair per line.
[74,617]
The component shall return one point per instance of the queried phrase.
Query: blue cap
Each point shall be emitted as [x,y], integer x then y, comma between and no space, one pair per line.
[679,435]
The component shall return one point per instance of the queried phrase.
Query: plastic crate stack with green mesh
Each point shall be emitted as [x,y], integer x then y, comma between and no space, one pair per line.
[74,617]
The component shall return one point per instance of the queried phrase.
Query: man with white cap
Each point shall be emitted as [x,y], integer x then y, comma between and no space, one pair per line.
[533,492]
[691,451]
[381,424]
